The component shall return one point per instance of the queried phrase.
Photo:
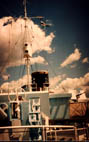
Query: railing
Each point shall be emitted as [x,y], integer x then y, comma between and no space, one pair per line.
[51,133]
[19,89]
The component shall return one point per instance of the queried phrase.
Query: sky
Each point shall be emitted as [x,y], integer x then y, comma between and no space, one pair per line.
[61,48]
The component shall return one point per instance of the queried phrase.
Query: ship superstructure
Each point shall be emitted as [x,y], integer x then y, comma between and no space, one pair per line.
[31,113]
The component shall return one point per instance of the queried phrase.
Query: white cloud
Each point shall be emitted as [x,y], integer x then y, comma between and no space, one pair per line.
[73,85]
[13,85]
[39,60]
[71,58]
[23,81]
[57,85]
[85,60]
[12,38]
[55,80]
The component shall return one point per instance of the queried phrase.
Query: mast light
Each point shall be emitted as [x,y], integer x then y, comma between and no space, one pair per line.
[27,50]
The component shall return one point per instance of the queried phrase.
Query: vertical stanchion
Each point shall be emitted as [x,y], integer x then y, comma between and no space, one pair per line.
[87,132]
[76,132]
[55,135]
[46,133]
[43,133]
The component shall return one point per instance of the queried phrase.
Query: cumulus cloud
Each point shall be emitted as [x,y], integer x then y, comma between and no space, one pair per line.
[23,81]
[58,84]
[54,81]
[38,59]
[72,58]
[85,60]
[73,85]
[15,85]
[13,36]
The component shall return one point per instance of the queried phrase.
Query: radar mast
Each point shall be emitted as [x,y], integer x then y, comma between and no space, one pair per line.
[25,9]
[27,54]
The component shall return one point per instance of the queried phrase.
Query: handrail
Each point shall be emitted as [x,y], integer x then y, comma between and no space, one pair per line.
[38,126]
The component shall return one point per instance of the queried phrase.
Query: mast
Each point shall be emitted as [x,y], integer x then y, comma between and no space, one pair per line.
[27,61]
[25,9]
[26,48]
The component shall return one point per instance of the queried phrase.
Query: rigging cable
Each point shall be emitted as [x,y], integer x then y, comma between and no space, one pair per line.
[33,37]
[22,42]
[52,69]
[7,60]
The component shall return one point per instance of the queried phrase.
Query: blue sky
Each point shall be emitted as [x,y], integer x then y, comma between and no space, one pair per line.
[69,57]
[71,28]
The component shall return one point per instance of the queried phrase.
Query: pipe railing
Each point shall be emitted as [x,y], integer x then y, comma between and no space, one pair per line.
[47,131]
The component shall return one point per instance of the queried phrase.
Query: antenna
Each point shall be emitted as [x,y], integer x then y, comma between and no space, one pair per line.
[25,9]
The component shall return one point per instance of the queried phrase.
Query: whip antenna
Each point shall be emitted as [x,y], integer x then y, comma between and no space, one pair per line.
[25,9]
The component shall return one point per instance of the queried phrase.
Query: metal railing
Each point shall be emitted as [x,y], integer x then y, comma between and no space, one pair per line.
[43,133]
